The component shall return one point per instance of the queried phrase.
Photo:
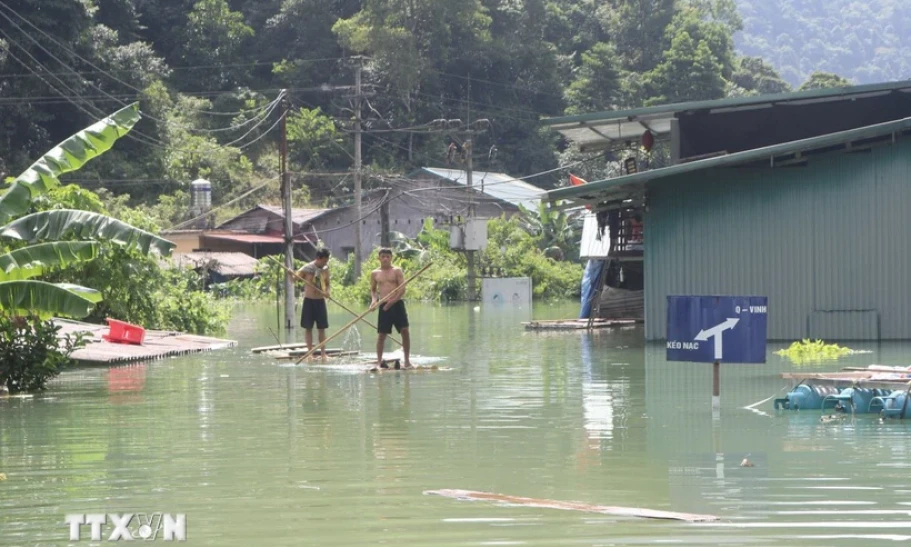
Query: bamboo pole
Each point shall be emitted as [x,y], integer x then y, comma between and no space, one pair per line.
[370,309]
[334,301]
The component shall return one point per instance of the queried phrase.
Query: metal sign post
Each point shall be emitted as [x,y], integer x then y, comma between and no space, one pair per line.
[711,329]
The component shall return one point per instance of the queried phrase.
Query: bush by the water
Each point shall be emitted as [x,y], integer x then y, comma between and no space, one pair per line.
[30,353]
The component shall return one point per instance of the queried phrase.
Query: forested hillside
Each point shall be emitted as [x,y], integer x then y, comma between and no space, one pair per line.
[209,74]
[864,41]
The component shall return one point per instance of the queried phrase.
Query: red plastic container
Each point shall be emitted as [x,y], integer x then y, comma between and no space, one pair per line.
[124,333]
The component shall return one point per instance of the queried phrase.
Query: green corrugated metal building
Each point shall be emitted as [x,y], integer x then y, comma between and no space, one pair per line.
[820,224]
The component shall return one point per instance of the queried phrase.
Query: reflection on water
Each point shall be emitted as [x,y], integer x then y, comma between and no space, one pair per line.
[254,449]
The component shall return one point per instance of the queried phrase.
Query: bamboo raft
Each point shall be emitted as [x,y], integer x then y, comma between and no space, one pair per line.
[472,495]
[580,324]
[156,345]
[300,349]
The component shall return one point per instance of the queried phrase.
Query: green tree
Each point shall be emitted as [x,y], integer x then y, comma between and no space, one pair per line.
[754,76]
[70,234]
[596,85]
[688,72]
[557,233]
[637,30]
[314,138]
[213,40]
[821,80]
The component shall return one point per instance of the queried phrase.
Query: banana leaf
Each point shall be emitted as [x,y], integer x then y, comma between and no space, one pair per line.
[47,299]
[32,261]
[83,225]
[67,156]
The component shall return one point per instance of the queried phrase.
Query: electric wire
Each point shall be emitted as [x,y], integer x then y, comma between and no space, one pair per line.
[76,55]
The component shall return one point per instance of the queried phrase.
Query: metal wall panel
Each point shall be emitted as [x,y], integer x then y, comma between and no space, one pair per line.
[830,236]
[844,325]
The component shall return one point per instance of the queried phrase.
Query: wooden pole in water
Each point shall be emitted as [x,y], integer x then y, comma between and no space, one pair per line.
[361,316]
[716,388]
[337,303]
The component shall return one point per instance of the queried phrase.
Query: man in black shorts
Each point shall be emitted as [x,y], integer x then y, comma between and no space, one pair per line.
[383,281]
[316,288]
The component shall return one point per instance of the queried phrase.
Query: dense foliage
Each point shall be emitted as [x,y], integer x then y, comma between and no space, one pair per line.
[865,42]
[136,287]
[208,75]
[31,353]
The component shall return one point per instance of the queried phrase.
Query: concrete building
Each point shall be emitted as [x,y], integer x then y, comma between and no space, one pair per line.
[799,197]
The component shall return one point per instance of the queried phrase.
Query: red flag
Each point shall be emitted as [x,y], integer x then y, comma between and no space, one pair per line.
[576,181]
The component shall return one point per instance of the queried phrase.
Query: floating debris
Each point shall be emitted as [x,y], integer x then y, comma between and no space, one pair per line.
[571,505]
[808,351]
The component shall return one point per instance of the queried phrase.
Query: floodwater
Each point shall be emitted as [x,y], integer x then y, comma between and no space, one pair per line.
[256,452]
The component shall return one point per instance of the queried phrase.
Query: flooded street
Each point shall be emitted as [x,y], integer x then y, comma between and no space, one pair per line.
[258,452]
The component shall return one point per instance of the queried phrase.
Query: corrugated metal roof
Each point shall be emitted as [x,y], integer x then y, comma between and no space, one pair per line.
[228,264]
[621,187]
[497,185]
[600,128]
[241,237]
[298,216]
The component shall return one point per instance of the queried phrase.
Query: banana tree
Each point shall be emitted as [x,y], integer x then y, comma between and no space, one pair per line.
[62,237]
[558,233]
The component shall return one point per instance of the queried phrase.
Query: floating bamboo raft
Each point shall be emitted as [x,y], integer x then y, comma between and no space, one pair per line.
[285,351]
[572,506]
[156,345]
[580,324]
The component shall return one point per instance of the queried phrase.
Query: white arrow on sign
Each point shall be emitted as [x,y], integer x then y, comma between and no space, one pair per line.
[716,332]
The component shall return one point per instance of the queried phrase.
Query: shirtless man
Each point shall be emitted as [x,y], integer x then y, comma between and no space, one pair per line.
[315,292]
[383,281]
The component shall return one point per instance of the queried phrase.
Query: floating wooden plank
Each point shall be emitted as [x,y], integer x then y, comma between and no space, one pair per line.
[872,378]
[579,324]
[156,345]
[283,347]
[329,353]
[395,365]
[572,506]
[878,368]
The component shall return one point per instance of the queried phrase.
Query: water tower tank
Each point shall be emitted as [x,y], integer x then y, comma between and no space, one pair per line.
[200,199]
[201,195]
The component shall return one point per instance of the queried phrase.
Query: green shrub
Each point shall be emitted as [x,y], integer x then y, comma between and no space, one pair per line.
[180,305]
[30,353]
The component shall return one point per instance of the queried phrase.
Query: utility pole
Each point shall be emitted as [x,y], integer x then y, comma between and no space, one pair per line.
[286,206]
[469,142]
[466,136]
[357,171]
[470,255]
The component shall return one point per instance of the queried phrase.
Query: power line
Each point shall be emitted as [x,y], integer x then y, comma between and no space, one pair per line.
[76,55]
[135,135]
[190,67]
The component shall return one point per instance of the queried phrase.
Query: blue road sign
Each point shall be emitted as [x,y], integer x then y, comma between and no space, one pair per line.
[730,329]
